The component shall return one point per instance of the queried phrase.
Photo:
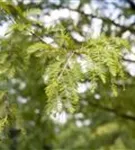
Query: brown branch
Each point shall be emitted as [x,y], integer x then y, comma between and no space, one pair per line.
[132,4]
[128,60]
[107,20]
[114,111]
[104,19]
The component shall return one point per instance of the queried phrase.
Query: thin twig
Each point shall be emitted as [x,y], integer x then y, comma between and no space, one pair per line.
[128,60]
[40,38]
[66,64]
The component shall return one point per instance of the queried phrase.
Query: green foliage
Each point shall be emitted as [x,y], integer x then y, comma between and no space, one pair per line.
[37,78]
